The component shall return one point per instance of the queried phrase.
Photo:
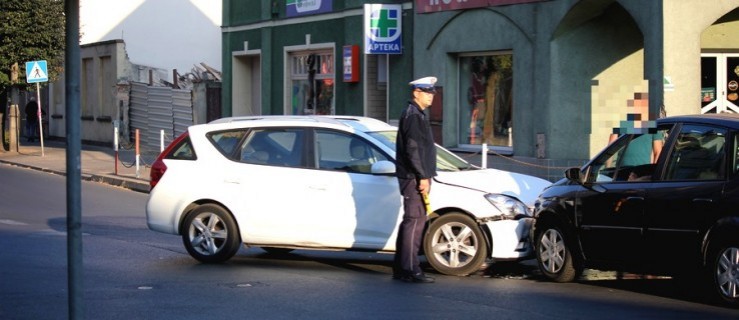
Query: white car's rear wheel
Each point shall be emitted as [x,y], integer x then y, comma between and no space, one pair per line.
[455,245]
[210,234]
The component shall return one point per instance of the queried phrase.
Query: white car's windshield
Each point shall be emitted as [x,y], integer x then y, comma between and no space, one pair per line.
[445,160]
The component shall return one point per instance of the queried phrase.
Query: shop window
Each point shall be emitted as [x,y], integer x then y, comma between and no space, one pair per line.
[486,100]
[312,83]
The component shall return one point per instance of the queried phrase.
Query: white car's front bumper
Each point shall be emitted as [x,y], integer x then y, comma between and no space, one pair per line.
[510,239]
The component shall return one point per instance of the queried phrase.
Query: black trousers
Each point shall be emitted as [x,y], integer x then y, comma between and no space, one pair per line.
[410,232]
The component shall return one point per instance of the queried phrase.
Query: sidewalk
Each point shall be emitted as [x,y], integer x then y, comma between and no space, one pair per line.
[98,163]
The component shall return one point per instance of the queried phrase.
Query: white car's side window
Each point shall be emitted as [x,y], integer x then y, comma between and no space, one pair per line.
[227,141]
[344,152]
[274,146]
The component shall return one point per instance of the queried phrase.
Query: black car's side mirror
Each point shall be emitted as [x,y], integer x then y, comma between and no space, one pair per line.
[573,174]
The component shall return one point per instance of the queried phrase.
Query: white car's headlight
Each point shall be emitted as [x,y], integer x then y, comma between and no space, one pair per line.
[510,208]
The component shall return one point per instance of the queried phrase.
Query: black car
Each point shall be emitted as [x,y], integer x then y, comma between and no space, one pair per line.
[672,209]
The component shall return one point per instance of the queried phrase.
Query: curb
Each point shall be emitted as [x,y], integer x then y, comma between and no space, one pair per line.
[131,184]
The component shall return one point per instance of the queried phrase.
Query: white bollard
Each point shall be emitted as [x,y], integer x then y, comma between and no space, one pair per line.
[484,155]
[510,136]
[161,141]
[138,156]
[115,147]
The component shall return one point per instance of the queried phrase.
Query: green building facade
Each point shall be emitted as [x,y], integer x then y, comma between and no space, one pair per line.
[541,84]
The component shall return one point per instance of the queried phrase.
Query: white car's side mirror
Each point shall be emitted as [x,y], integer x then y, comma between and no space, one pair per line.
[383,168]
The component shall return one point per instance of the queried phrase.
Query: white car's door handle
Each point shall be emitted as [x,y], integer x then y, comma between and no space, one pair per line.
[231,180]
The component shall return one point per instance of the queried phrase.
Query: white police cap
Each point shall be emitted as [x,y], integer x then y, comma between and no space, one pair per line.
[423,83]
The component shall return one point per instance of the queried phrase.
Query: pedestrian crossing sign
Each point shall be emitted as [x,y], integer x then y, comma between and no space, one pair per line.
[36,71]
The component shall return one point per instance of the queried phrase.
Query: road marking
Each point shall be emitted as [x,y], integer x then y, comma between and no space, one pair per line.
[12,222]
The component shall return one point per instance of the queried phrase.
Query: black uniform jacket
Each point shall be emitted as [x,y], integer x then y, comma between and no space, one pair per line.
[415,148]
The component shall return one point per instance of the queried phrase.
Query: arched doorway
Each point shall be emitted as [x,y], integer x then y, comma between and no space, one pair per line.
[597,66]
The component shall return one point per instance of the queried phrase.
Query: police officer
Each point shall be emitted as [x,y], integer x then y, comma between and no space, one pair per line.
[416,166]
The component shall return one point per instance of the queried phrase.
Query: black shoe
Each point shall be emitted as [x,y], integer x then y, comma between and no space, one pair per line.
[417,278]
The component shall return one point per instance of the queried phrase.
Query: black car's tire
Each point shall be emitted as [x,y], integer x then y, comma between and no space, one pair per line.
[210,234]
[455,245]
[724,269]
[554,256]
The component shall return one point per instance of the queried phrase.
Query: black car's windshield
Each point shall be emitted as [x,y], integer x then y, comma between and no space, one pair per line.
[445,160]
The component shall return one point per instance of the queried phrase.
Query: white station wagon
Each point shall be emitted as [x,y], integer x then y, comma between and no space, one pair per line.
[328,183]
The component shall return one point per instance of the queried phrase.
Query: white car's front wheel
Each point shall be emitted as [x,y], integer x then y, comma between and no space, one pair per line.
[210,234]
[455,245]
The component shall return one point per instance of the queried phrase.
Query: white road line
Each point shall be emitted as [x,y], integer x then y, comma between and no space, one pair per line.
[12,222]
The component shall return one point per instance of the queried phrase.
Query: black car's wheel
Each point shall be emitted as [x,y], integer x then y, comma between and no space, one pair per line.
[725,273]
[210,234]
[455,245]
[554,256]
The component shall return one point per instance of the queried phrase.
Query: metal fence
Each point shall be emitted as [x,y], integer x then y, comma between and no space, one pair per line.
[157,109]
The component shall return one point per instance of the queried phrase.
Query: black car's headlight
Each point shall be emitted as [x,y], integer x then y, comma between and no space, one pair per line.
[509,207]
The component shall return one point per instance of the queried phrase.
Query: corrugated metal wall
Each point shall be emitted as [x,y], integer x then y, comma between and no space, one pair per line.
[154,109]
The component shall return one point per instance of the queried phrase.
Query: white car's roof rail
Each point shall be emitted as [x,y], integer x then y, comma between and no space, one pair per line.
[344,120]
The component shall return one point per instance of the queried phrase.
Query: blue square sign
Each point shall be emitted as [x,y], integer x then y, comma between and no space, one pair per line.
[36,71]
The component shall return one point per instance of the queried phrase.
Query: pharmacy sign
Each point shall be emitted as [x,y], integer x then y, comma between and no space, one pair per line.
[382,29]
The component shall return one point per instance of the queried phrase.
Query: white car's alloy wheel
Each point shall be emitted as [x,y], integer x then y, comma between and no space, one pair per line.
[454,245]
[207,233]
[211,234]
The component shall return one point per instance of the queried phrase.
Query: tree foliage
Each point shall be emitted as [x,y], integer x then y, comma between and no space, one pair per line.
[30,30]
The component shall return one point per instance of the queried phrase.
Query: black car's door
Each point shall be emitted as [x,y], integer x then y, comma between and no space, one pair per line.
[611,220]
[610,212]
[686,197]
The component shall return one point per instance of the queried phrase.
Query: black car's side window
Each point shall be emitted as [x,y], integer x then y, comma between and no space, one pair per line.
[698,154]
[631,158]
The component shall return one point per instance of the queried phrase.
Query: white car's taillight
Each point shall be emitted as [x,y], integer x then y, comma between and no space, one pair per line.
[158,167]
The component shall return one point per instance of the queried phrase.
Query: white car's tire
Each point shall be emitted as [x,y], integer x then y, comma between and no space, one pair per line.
[455,245]
[210,234]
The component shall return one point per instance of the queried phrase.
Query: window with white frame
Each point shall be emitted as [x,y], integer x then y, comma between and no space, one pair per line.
[311,83]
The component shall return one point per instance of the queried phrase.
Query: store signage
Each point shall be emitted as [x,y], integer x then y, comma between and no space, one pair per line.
[305,7]
[426,6]
[382,28]
[351,63]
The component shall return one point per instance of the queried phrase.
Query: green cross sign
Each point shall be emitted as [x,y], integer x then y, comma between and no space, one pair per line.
[383,23]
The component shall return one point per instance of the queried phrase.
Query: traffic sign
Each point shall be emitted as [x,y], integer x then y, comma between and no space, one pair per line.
[36,71]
